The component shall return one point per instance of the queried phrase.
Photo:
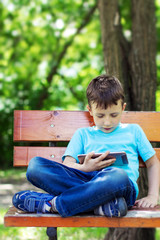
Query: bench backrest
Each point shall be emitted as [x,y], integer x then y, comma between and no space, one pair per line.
[59,126]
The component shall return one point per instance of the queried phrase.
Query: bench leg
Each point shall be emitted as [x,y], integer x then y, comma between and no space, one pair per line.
[52,233]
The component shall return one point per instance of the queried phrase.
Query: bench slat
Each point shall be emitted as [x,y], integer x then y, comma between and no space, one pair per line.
[134,218]
[22,155]
[47,125]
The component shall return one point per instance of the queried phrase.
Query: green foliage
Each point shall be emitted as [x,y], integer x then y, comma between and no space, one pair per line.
[13,174]
[35,35]
[50,50]
[158,100]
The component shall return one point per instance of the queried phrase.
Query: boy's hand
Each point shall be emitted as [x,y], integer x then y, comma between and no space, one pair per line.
[98,163]
[147,202]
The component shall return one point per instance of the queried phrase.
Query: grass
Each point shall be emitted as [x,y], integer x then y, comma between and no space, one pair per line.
[14,173]
[22,233]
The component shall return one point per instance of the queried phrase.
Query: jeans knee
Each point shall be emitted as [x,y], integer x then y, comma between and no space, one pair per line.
[32,168]
[120,176]
[116,176]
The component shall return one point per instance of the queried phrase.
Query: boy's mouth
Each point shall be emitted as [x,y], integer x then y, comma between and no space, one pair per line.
[107,129]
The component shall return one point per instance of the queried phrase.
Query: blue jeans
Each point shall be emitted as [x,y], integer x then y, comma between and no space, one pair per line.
[79,191]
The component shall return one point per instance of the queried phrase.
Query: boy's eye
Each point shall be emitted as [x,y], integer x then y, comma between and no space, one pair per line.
[114,115]
[100,116]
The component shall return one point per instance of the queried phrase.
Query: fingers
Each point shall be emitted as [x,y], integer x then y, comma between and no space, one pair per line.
[89,155]
[144,203]
[109,162]
[104,155]
[105,163]
[100,158]
[98,162]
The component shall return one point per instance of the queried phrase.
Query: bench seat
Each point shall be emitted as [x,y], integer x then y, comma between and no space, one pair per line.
[146,218]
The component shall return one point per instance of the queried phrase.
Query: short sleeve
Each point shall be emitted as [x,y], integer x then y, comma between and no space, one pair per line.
[75,146]
[145,148]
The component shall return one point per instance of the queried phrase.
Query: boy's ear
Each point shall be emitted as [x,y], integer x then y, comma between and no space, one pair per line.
[124,106]
[89,109]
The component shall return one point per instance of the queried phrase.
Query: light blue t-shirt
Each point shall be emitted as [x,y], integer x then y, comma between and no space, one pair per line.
[128,138]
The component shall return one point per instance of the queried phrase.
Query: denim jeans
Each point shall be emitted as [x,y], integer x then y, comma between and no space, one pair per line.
[79,191]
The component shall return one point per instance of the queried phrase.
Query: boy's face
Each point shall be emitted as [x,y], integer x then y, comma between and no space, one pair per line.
[108,119]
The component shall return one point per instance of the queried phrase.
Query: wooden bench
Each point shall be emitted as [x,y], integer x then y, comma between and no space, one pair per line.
[58,126]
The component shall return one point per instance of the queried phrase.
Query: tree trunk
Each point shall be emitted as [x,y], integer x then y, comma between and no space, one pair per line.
[143,55]
[134,64]
[115,46]
[130,234]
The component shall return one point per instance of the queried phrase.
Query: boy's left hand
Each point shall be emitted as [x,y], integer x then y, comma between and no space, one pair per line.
[149,201]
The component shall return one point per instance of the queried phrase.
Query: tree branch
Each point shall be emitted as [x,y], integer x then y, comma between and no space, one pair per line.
[55,66]
[85,21]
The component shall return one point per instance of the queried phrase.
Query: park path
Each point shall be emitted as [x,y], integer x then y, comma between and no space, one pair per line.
[9,187]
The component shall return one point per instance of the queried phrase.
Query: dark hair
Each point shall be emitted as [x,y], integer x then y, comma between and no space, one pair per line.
[105,91]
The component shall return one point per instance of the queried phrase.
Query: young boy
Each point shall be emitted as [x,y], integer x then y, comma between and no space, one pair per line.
[95,185]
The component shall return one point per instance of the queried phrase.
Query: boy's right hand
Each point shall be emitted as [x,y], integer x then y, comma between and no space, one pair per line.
[96,164]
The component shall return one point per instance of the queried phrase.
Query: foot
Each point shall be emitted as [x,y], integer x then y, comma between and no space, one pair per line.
[115,208]
[29,201]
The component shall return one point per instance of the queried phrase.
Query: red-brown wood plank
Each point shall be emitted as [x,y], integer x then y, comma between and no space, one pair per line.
[48,125]
[134,218]
[60,125]
[22,155]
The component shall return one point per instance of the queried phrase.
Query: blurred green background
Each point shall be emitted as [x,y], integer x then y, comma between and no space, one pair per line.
[50,51]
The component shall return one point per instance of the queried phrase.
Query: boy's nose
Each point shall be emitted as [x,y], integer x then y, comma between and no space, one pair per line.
[107,122]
